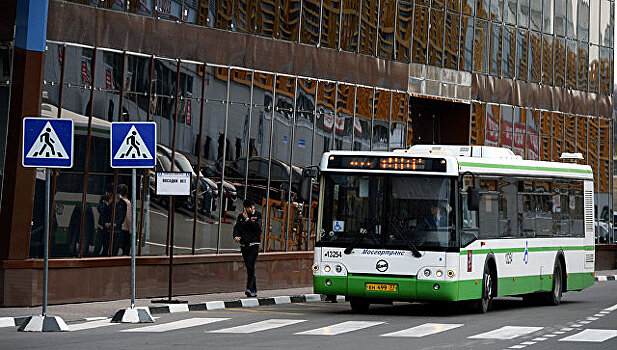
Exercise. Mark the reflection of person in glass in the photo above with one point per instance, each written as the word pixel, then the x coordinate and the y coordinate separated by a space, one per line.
pixel 247 232
pixel 104 223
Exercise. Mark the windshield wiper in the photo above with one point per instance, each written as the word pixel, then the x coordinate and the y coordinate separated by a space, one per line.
pixel 405 239
pixel 362 235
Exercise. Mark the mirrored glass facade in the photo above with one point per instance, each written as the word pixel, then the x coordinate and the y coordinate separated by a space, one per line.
pixel 244 133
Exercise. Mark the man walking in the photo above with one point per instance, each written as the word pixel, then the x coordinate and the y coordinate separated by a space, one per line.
pixel 247 232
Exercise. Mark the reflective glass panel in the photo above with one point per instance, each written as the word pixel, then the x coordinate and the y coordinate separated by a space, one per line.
pixel 606 69
pixel 368 26
pixel 381 120
pixel 451 34
pixel 326 94
pixel 482 9
pixel 594 22
pixel 560 17
pixel 583 66
pixel 387 19
pixel 583 20
pixel 560 61
pixel 420 34
pixel 244 15
pixel 467 42
pixel 535 59
pixel 309 33
pixel 522 53
pixel 344 115
pixel 548 16
pixel 571 18
pixel 350 25
pixel 547 59
pixel 496 10
pixel 606 25
pixel 435 52
pixel 571 64
pixel 330 24
pixel 289 19
pixel 403 30
pixel 509 11
pixel 594 68
pixel 508 67
pixel 362 123
pixel 495 58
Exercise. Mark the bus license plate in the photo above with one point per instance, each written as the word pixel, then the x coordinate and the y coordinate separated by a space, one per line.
pixel 381 287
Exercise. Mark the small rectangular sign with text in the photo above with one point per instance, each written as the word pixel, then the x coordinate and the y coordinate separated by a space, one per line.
pixel 173 184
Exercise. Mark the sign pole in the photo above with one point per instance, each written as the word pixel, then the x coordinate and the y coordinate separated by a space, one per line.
pixel 133 235
pixel 46 143
pixel 133 145
pixel 46 239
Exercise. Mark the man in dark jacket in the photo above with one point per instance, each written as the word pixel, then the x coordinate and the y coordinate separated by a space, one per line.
pixel 104 223
pixel 247 232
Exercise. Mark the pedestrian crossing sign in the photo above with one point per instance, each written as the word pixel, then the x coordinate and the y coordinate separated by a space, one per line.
pixel 133 145
pixel 47 143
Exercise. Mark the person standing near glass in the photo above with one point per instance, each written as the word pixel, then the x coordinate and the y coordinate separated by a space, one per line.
pixel 247 232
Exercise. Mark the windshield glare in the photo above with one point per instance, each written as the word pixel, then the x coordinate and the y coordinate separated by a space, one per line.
pixel 388 211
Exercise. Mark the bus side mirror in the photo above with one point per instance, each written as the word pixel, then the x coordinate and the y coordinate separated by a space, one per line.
pixel 308 174
pixel 473 198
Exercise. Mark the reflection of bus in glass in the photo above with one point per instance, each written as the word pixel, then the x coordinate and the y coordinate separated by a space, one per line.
pixel 452 223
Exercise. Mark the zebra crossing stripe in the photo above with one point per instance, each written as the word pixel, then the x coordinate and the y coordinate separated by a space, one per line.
pixel 423 330
pixel 592 335
pixel 340 328
pixel 188 323
pixel 91 325
pixel 507 332
pixel 612 308
pixel 259 326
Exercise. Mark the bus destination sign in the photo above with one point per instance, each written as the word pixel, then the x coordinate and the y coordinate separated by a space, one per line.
pixel 387 163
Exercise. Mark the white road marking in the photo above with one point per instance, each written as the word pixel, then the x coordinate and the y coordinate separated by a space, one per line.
pixel 605 312
pixel 559 332
pixel 592 335
pixel 91 325
pixel 96 318
pixel 538 339
pixel 188 323
pixel 612 308
pixel 507 332
pixel 259 326
pixel 577 325
pixel 599 315
pixel 567 329
pixel 517 346
pixel 549 335
pixel 592 318
pixel 584 322
pixel 423 330
pixel 528 343
pixel 340 328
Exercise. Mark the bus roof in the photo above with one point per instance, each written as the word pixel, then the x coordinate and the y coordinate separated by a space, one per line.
pixel 475 159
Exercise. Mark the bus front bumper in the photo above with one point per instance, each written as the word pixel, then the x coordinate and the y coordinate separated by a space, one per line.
pixel 400 287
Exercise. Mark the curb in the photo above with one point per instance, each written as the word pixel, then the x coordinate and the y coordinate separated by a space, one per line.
pixel 205 306
pixel 606 278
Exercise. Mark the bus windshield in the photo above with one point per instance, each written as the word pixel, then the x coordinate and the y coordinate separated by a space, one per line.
pixel 388 211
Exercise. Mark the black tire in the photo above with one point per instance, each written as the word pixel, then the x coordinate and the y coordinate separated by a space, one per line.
pixel 553 297
pixel 485 303
pixel 359 305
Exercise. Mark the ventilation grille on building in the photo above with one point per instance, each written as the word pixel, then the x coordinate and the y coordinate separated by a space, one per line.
pixel 588 210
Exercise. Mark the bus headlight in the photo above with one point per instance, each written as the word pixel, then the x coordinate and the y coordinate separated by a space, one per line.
pixel 450 273
pixel 328 283
pixel 315 267
pixel 427 272
pixel 338 269
pixel 439 273
pixel 326 268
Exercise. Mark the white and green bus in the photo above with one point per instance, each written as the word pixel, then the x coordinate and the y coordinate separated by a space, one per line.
pixel 452 223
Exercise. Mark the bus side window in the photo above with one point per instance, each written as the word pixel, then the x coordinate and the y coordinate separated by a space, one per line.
pixel 508 216
pixel 489 209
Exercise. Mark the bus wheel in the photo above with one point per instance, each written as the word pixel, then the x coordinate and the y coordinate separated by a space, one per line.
pixel 484 304
pixel 359 305
pixel 554 296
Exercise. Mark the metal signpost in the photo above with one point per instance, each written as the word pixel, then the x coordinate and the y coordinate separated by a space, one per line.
pixel 172 184
pixel 47 143
pixel 133 145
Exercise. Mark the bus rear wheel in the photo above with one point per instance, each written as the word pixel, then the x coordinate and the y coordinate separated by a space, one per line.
pixel 359 305
pixel 554 296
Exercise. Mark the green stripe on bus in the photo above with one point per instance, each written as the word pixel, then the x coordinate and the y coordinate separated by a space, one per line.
pixel 522 250
pixel 525 167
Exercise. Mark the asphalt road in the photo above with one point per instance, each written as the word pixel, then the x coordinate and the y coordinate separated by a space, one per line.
pixel 582 317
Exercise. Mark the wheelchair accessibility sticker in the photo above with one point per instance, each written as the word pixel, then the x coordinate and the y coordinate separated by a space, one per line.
pixel 338 226
pixel 526 255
